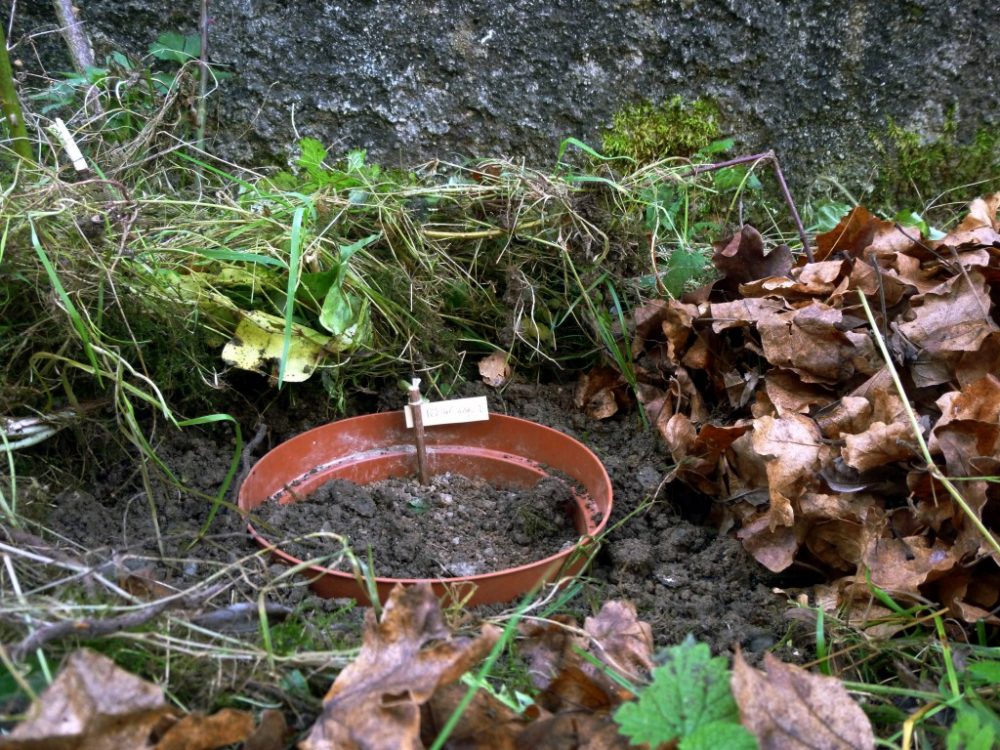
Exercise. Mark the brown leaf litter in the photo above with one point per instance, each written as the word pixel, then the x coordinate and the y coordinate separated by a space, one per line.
pixel 771 395
pixel 403 688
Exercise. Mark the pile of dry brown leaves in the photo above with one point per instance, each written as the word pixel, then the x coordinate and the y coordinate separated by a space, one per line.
pixel 403 687
pixel 775 402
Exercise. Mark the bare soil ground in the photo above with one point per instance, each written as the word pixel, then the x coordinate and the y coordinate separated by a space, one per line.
pixel 683 576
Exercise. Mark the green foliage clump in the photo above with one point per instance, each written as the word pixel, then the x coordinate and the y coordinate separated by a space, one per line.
pixel 648 132
pixel 689 700
pixel 914 169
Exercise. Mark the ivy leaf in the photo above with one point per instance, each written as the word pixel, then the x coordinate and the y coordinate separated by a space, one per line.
pixel 689 691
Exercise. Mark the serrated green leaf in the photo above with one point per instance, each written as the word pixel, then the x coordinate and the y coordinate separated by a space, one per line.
pixel 356 160
pixel 313 153
pixel 986 671
pixel 684 266
pixel 970 733
pixel 719 735
pixel 690 690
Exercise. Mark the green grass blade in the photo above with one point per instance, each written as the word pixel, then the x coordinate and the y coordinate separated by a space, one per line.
pixel 294 262
pixel 74 315
pixel 234 464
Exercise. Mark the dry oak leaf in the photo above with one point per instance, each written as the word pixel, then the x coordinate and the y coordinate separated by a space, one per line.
pixel 494 370
pixel 91 704
pixel 879 445
pixel 789 708
pixel 741 259
pixel 621 640
pixel 979 227
pixel 794 451
pixel 575 730
pixel 773 547
pixel 954 316
pixel 859 231
pixel 485 723
pixel 790 395
pixel 374 704
pixel 600 392
pixel 809 341
pixel 901 566
pixel 200 732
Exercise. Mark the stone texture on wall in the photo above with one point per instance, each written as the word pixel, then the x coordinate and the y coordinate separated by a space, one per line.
pixel 413 80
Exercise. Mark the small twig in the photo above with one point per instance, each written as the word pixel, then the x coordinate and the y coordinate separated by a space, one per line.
pixel 247 458
pixel 80 50
pixel 785 192
pixel 27 539
pixel 239 614
pixel 87 628
pixel 203 73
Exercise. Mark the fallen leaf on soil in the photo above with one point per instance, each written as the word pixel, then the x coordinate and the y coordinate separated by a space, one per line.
pixel 741 259
pixel 600 392
pixel 494 370
pixel 375 702
pixel 577 730
pixel 787 708
pixel 486 724
pixel 94 704
pixel 200 732
pixel 621 640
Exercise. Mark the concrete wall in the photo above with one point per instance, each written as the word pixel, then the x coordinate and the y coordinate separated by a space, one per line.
pixel 412 80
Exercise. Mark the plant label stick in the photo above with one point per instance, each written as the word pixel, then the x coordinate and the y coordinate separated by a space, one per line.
pixel 72 150
pixel 413 413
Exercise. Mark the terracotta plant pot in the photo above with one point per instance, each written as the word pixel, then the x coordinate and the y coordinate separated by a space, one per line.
pixel 505 451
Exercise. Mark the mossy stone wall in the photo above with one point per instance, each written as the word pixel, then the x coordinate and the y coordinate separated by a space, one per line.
pixel 412 80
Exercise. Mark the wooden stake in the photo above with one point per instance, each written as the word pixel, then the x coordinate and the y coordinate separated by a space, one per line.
pixel 418 430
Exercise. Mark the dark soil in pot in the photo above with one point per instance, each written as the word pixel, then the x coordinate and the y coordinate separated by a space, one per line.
pixel 455 526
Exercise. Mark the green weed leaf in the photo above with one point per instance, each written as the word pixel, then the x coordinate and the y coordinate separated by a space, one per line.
pixel 719 734
pixel 828 216
pixel 683 267
pixel 175 47
pixel 311 158
pixel 969 732
pixel 689 691
pixel 987 672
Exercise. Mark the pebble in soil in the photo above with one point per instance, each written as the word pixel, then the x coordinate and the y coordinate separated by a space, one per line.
pixel 455 526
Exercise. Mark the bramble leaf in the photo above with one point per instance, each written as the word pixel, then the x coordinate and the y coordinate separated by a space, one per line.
pixel 689 691
pixel 719 734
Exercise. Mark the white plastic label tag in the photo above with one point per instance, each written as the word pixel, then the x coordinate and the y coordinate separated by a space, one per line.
pixel 451 412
